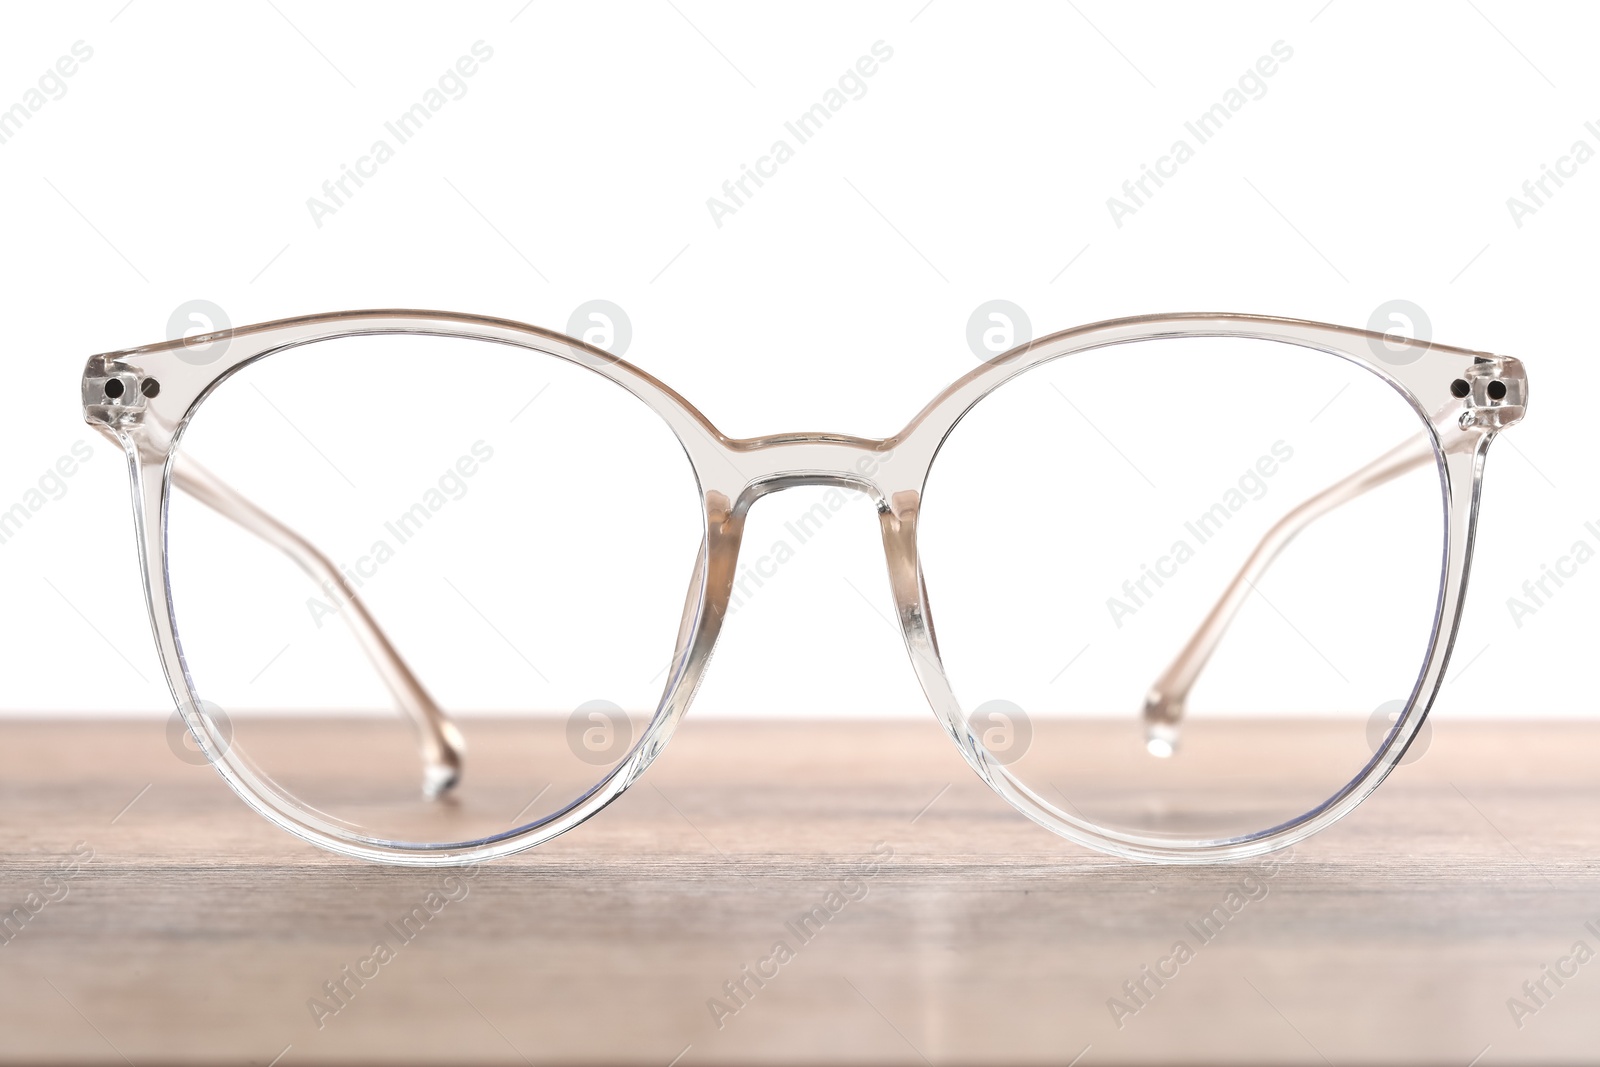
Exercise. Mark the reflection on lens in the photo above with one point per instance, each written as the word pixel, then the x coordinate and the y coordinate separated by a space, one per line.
pixel 1081 530
pixel 387 550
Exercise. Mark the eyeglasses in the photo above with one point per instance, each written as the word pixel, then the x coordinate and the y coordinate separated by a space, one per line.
pixel 1197 576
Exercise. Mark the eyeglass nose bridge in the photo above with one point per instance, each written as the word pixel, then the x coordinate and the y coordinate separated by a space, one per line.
pixel 889 471
pixel 786 461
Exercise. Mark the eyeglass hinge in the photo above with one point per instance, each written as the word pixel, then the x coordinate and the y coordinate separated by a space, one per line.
pixel 1493 392
pixel 116 394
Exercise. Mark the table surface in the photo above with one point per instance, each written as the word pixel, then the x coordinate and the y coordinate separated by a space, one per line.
pixel 194 931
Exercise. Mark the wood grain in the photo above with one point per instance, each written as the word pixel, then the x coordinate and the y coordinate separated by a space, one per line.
pixel 198 933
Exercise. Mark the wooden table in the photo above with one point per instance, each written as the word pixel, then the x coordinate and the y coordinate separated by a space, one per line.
pixel 198 933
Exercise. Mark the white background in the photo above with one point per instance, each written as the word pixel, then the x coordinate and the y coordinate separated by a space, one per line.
pixel 1377 166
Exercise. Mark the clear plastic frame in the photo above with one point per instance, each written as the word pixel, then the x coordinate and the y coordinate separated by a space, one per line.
pixel 144 400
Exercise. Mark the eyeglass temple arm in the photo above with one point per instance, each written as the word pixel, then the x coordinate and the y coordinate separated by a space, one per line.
pixel 441 743
pixel 1164 706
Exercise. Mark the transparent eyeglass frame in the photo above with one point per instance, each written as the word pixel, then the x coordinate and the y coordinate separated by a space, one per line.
pixel 143 399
